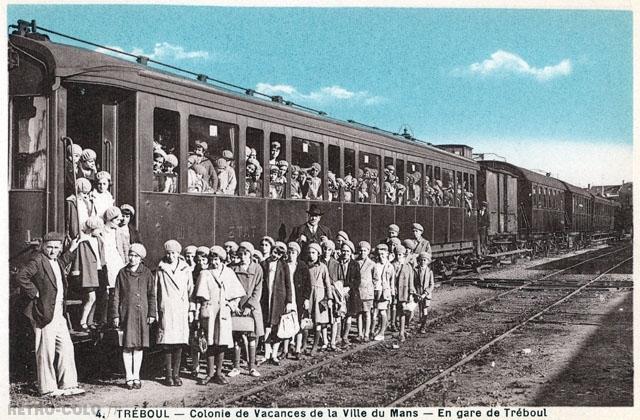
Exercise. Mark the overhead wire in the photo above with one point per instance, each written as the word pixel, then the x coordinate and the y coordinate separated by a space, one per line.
pixel 143 60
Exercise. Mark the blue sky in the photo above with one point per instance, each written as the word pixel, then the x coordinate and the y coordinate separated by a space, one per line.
pixel 535 86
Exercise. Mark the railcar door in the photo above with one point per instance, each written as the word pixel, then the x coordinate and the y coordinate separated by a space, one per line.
pixel 31 118
pixel 103 119
pixel 512 204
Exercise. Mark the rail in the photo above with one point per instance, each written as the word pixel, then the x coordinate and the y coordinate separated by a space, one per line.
pixel 267 384
pixel 472 355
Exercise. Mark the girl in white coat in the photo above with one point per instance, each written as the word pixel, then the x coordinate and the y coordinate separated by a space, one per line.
pixel 174 286
pixel 218 294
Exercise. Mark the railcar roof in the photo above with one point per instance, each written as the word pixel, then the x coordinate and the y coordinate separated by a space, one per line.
pixel 68 61
pixel 577 190
pixel 525 173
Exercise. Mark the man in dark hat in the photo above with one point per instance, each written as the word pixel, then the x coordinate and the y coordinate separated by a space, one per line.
pixel 483 226
pixel 44 284
pixel 311 231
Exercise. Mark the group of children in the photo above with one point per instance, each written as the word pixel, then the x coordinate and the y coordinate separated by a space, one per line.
pixel 199 293
pixel 203 175
pixel 235 297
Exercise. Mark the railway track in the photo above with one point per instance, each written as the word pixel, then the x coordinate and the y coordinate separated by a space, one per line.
pixel 408 396
pixel 295 375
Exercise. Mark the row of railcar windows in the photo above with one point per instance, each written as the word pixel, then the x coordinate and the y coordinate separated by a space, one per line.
pixel 547 198
pixel 213 163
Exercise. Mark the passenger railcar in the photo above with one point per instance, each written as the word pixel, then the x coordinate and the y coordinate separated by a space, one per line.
pixel 603 218
pixel 536 200
pixel 123 109
pixel 579 212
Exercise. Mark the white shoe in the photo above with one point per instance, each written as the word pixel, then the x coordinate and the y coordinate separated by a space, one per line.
pixel 56 393
pixel 254 373
pixel 379 337
pixel 72 391
pixel 233 373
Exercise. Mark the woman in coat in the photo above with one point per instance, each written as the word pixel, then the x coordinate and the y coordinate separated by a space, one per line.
pixel 320 299
pixel 276 299
pixel 174 286
pixel 249 274
pixel 365 290
pixel 217 294
pixel 133 309
pixel 300 287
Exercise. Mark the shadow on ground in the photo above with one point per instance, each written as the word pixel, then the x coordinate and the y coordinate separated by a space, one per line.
pixel 601 373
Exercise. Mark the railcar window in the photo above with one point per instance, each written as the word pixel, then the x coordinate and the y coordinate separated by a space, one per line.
pixel 466 191
pixel 166 150
pixel 390 182
pixel 459 195
pixel 254 167
pixel 415 175
pixel 472 189
pixel 429 191
pixel 333 175
pixel 29 143
pixel 349 183
pixel 368 180
pixel 438 188
pixel 448 189
pixel 276 169
pixel 400 185
pixel 307 155
pixel 220 141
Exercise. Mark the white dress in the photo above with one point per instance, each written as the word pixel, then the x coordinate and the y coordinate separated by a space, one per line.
pixel 112 257
pixel 101 202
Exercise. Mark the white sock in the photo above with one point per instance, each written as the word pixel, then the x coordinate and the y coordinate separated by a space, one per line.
pixel 127 358
pixel 137 363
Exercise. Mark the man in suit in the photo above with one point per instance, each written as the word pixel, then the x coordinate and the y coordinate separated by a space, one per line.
pixel 311 231
pixel 44 283
pixel 483 226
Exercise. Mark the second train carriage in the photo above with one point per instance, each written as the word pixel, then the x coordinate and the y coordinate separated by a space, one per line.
pixel 550 212
pixel 122 109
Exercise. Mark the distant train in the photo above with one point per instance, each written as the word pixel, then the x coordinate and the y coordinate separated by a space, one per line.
pixel 540 212
pixel 123 110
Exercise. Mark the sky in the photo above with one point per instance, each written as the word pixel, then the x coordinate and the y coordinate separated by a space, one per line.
pixel 549 90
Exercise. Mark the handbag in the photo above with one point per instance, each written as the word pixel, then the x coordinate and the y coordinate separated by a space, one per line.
pixel 243 323
pixel 288 326
pixel 113 337
pixel 410 306
pixel 306 324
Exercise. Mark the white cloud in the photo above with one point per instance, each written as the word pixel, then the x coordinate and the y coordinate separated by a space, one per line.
pixel 322 95
pixel 504 62
pixel 165 50
pixel 161 51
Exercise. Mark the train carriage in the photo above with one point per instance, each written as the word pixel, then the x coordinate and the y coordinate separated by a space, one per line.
pixel 536 200
pixel 579 211
pixel 603 218
pixel 122 110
